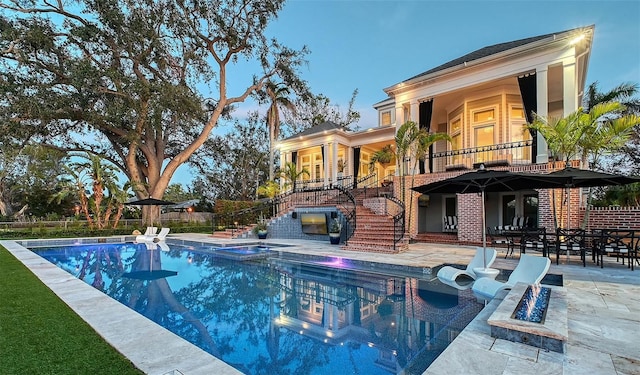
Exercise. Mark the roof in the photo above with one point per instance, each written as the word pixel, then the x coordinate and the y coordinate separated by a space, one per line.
pixel 488 51
pixel 325 126
pixel 186 204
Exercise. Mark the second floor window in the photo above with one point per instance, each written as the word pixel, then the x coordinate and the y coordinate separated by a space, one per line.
pixel 385 118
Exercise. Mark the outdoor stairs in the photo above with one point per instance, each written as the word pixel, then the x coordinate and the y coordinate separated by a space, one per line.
pixel 436 237
pixel 374 233
pixel 229 234
pixel 443 238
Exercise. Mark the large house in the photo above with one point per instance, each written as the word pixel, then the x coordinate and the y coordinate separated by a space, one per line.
pixel 483 100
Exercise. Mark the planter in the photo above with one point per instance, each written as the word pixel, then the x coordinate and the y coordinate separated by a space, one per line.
pixel 334 238
pixel 262 234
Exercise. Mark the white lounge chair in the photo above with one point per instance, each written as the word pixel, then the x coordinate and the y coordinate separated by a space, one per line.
pixel 154 237
pixel 531 269
pixel 449 275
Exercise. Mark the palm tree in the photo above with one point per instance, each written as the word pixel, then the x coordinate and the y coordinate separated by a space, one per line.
pixel 269 189
pixel 623 93
pixel 604 129
pixel 291 174
pixel 278 98
pixel 100 176
pixel 383 156
pixel 423 140
pixel 406 137
pixel 609 127
pixel 562 136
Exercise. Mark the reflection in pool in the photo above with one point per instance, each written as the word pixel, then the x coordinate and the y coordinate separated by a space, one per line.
pixel 279 314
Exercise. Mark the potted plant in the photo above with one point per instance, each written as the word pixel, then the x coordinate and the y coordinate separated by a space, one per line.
pixel 385 156
pixel 335 228
pixel 261 228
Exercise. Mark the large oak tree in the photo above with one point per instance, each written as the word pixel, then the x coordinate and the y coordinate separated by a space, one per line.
pixel 140 83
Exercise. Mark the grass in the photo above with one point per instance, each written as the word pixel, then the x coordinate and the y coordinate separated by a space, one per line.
pixel 39 334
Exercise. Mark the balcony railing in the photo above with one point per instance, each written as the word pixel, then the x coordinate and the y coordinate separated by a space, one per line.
pixel 513 153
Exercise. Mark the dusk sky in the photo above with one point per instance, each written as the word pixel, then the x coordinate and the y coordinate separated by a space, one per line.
pixel 371 45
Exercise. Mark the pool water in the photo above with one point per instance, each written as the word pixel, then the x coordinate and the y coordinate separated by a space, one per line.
pixel 276 314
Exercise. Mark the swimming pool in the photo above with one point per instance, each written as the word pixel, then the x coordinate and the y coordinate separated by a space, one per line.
pixel 279 314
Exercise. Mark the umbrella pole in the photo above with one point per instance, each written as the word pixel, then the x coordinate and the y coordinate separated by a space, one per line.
pixel 484 234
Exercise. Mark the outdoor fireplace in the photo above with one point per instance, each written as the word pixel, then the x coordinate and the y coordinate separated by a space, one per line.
pixel 532 315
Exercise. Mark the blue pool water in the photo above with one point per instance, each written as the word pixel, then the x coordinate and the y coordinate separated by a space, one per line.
pixel 279 313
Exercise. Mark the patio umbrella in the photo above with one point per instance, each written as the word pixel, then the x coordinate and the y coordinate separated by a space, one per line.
pixel 150 202
pixel 149 274
pixel 571 177
pixel 487 180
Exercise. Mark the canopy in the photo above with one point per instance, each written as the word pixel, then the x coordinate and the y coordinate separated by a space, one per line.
pixel 150 202
pixel 487 180
pixel 574 178
pixel 152 212
pixel 571 177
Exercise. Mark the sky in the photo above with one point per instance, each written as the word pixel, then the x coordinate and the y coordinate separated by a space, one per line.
pixel 371 45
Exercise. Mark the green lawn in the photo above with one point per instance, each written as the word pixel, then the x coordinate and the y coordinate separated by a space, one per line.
pixel 39 334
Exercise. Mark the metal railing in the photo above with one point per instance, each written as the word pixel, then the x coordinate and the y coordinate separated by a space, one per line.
pixel 398 219
pixel 503 154
pixel 334 195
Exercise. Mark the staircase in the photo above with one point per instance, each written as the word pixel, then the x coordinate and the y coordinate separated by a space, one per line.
pixel 374 233
pixel 437 237
pixel 228 234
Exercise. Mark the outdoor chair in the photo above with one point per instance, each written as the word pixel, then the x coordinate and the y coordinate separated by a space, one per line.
pixel 450 223
pixel 518 223
pixel 530 270
pixel 620 242
pixel 534 239
pixel 571 240
pixel 154 237
pixel 498 238
pixel 449 275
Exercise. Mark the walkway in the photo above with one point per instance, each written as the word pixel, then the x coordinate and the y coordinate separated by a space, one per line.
pixel 603 319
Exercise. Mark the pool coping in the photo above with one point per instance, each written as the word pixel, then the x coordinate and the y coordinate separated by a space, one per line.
pixel 607 299
pixel 150 347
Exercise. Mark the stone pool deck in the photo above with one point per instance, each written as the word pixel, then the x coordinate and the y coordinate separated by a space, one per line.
pixel 603 318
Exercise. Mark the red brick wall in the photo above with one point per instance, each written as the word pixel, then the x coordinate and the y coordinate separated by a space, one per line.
pixel 613 217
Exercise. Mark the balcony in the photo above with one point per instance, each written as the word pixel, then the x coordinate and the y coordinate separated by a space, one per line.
pixel 504 154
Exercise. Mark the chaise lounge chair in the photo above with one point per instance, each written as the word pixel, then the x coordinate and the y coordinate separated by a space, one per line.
pixel 531 269
pixel 154 237
pixel 449 275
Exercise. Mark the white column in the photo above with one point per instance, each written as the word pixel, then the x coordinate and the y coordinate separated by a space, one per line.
pixel 325 164
pixel 348 166
pixel 399 115
pixel 414 111
pixel 569 88
pixel 542 88
pixel 334 162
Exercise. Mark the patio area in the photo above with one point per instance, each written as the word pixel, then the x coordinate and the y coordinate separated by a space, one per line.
pixel 603 318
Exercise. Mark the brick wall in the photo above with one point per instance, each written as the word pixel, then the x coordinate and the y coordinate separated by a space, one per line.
pixel 612 217
pixel 377 205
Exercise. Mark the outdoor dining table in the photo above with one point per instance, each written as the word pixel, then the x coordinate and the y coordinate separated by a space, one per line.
pixel 514 238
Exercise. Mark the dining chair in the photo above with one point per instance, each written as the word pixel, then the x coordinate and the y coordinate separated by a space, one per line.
pixel 498 238
pixel 571 240
pixel 534 239
pixel 620 242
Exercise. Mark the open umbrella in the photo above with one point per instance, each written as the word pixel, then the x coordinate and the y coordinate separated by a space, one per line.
pixel 571 177
pixel 150 274
pixel 487 180
pixel 150 202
